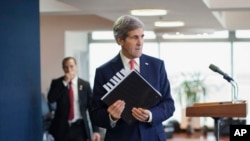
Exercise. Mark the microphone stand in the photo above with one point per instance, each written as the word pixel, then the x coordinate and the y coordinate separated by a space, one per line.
pixel 234 96
pixel 235 92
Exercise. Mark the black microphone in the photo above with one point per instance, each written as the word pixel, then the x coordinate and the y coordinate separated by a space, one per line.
pixel 216 69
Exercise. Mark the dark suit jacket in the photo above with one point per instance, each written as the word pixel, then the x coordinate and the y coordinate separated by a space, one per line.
pixel 153 70
pixel 59 93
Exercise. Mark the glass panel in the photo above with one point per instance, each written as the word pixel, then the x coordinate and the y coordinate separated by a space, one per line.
pixel 151 49
pixel 242 70
pixel 242 34
pixel 190 58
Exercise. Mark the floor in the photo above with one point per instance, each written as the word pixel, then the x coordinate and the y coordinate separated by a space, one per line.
pixel 196 137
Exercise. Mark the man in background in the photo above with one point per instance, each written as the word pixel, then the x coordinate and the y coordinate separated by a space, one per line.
pixel 72 96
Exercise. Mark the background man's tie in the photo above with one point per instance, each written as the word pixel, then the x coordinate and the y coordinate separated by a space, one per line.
pixel 71 98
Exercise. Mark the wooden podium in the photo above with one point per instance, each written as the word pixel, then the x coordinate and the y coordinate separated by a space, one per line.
pixel 217 110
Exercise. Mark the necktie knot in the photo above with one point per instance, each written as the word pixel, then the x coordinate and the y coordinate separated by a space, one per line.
pixel 132 64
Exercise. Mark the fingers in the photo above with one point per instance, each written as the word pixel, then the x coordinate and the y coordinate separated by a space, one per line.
pixel 140 114
pixel 96 137
pixel 68 77
pixel 116 109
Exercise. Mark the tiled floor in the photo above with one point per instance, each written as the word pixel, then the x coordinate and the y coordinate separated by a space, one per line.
pixel 196 137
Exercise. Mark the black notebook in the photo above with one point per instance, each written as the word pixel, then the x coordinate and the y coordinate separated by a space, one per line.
pixel 131 87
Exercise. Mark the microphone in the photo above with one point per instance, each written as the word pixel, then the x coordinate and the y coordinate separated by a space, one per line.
pixel 216 69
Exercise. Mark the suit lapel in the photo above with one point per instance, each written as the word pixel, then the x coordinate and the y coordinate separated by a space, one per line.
pixel 79 86
pixel 117 63
pixel 80 89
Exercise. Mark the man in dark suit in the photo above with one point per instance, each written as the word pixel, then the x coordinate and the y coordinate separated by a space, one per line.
pixel 128 32
pixel 76 127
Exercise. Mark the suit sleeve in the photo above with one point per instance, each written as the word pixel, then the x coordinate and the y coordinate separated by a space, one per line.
pixel 165 108
pixel 57 88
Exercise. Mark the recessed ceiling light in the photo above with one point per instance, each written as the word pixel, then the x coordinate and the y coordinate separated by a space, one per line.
pixel 169 23
pixel 148 12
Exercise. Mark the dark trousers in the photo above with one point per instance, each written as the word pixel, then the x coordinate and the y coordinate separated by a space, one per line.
pixel 76 132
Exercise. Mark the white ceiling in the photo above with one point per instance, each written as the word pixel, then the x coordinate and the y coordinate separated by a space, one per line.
pixel 199 15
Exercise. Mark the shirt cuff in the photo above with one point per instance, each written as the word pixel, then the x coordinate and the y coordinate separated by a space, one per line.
pixel 112 122
pixel 150 118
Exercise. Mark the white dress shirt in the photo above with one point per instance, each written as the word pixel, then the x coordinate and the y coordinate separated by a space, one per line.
pixel 77 114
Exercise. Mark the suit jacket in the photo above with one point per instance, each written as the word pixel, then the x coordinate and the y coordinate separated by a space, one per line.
pixel 59 93
pixel 153 70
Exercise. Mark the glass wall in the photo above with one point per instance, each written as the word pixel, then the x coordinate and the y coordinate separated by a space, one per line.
pixel 242 70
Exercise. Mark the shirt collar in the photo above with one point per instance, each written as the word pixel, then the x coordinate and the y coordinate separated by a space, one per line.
pixel 74 80
pixel 126 60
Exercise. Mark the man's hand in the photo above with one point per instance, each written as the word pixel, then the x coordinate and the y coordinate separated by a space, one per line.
pixel 141 114
pixel 116 109
pixel 68 76
pixel 96 137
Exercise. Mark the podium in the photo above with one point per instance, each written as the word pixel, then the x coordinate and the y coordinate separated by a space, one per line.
pixel 217 110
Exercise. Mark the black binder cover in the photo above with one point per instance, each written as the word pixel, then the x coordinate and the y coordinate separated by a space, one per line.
pixel 135 91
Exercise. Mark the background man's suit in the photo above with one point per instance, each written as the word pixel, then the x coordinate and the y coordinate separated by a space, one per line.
pixel 153 70
pixel 59 93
